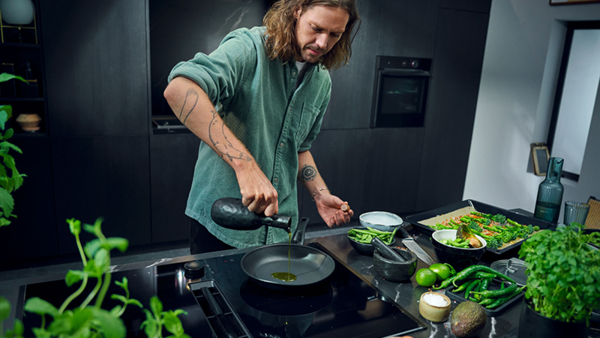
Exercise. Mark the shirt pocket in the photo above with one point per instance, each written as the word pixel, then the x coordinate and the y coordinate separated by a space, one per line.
pixel 308 116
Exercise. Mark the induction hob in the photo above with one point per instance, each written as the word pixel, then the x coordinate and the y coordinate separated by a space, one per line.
pixel 226 303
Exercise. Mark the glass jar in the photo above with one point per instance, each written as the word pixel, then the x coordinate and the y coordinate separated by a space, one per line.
pixel 550 192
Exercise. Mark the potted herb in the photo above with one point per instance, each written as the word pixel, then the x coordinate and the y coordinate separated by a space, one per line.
pixel 10 178
pixel 563 284
pixel 88 318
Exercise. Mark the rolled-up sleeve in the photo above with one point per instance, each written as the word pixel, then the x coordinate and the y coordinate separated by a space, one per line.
pixel 219 73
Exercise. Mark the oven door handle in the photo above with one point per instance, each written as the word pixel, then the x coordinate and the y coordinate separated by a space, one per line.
pixel 405 72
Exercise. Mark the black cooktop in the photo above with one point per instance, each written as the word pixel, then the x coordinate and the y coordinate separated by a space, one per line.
pixel 226 303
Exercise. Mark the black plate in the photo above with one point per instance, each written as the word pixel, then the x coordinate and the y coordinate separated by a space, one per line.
pixel 494 285
pixel 480 207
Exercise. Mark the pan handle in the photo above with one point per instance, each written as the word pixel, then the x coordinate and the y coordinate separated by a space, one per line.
pixel 298 237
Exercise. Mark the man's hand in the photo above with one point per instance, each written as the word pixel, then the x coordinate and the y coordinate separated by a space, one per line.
pixel 258 194
pixel 330 209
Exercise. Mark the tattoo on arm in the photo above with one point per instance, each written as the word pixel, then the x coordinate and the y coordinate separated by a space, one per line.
pixel 224 148
pixel 193 96
pixel 308 173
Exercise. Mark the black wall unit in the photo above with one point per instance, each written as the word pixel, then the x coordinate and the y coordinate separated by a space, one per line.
pixel 467 5
pixel 181 28
pixel 106 177
pixel 389 27
pixel 339 155
pixel 33 233
pixel 96 67
pixel 451 108
pixel 172 160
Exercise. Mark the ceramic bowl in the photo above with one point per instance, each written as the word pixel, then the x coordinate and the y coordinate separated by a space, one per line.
pixel 380 220
pixel 395 271
pixel 432 312
pixel 365 249
pixel 459 258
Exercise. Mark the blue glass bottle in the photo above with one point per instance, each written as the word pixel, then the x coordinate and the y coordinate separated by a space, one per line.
pixel 550 192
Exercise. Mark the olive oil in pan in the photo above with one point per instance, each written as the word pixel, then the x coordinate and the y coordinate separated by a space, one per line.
pixel 286 276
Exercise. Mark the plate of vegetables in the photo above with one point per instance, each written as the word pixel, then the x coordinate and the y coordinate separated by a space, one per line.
pixel 502 229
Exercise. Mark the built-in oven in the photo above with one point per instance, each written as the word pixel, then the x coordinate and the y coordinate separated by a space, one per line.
pixel 400 91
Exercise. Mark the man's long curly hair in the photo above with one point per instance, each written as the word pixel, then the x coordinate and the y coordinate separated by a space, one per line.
pixel 281 39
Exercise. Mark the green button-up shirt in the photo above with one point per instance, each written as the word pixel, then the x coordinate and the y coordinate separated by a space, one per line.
pixel 259 102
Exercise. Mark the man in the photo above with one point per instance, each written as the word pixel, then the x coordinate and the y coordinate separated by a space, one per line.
pixel 271 88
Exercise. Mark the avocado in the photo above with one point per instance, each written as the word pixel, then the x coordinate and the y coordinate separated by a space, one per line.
pixel 468 319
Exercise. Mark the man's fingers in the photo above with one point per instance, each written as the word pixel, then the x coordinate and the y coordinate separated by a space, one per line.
pixel 272 209
pixel 253 206
pixel 247 201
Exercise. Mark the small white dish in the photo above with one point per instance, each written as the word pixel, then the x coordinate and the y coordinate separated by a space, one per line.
pixel 380 220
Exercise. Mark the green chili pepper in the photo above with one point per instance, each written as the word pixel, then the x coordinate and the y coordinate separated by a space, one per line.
pixel 471 286
pixel 466 272
pixel 499 293
pixel 482 287
pixel 484 275
pixel 464 286
pixel 486 301
pixel 445 283
pixel 486 284
pixel 452 271
pixel 503 300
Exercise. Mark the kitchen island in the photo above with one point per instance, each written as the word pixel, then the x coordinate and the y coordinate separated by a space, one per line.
pixel 166 277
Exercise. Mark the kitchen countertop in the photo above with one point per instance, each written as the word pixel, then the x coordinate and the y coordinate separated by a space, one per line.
pixel 334 241
pixel 407 294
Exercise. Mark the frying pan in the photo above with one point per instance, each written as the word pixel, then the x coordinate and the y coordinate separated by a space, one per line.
pixel 310 265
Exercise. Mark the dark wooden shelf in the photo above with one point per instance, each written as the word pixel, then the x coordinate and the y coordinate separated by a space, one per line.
pixel 20 45
pixel 22 134
pixel 21 99
pixel 170 131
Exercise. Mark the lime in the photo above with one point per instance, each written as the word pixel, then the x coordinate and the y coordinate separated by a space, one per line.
pixel 441 270
pixel 425 277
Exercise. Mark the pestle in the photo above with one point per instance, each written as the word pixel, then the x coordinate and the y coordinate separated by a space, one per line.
pixel 233 214
pixel 385 251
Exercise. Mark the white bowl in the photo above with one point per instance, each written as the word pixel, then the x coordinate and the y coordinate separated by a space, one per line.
pixel 380 220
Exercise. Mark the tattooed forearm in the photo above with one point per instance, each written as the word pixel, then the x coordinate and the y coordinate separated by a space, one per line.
pixel 308 173
pixel 193 96
pixel 224 148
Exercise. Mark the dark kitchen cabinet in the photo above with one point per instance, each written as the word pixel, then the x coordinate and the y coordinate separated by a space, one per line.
pixel 107 177
pixel 340 156
pixel 96 59
pixel 394 163
pixel 391 28
pixel 451 108
pixel 33 233
pixel 372 170
pixel 172 161
pixel 482 6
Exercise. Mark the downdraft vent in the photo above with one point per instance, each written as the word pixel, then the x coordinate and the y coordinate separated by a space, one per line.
pixel 223 320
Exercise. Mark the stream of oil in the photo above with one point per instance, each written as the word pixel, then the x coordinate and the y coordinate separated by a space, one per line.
pixel 286 276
